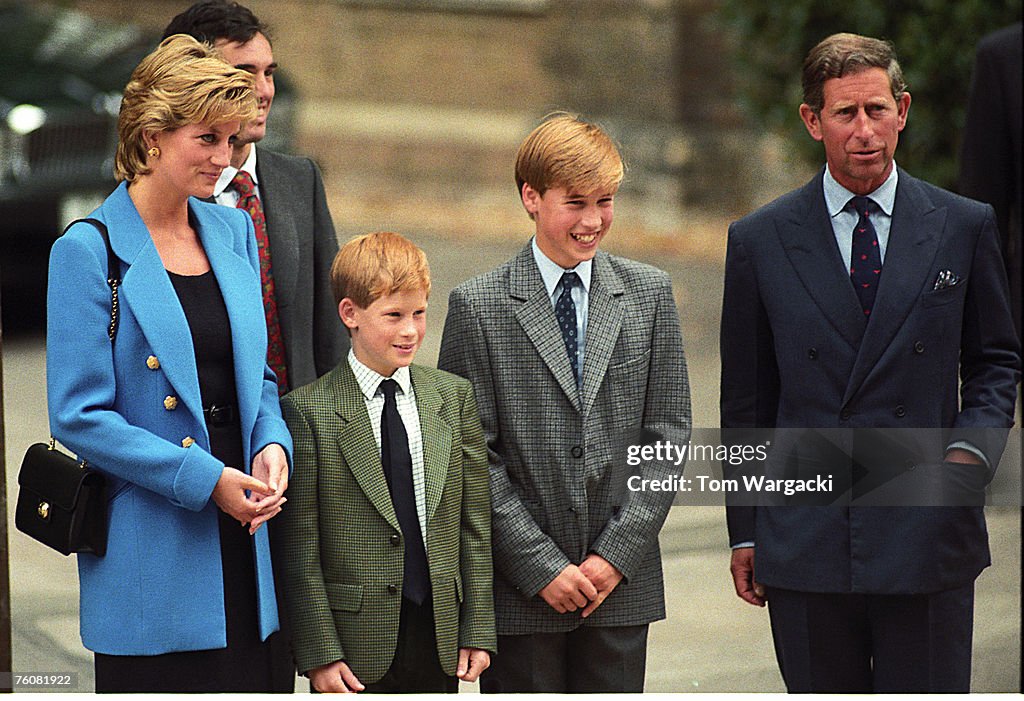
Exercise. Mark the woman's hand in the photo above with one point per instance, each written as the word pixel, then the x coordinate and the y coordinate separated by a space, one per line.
pixel 271 466
pixel 229 495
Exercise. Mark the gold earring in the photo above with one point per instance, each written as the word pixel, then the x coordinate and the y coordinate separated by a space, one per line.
pixel 154 152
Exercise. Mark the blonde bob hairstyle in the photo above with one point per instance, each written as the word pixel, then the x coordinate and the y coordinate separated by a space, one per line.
pixel 375 265
pixel 182 82
pixel 565 151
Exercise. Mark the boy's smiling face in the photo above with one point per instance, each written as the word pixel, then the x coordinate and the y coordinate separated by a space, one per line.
pixel 387 334
pixel 570 224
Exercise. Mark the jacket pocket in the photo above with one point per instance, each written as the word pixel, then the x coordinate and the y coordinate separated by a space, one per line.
pixel 344 597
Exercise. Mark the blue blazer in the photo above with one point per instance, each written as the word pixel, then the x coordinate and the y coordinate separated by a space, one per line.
pixel 135 413
pixel 798 353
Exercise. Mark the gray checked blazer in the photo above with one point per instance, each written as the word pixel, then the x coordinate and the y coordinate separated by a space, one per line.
pixel 302 248
pixel 558 463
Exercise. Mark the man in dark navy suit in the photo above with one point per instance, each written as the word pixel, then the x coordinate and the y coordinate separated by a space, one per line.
pixel 858 307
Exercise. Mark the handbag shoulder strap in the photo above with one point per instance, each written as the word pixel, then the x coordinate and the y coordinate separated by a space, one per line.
pixel 113 272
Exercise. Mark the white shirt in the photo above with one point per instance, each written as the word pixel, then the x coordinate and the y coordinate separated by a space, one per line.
pixel 369 384
pixel 226 195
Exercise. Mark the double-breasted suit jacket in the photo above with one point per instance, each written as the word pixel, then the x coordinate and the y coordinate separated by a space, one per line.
pixel 302 248
pixel 798 352
pixel 558 452
pixel 135 413
pixel 342 539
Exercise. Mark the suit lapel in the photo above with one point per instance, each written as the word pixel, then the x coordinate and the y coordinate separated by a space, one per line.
pixel 536 316
pixel 146 289
pixel 277 196
pixel 357 444
pixel 809 241
pixel 437 439
pixel 604 320
pixel 914 236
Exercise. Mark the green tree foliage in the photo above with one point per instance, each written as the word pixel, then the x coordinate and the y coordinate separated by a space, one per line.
pixel 935 42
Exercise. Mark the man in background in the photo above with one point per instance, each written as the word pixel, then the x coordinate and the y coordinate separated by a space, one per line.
pixel 285 197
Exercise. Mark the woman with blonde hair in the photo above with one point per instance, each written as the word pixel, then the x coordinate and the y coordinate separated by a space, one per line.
pixel 179 410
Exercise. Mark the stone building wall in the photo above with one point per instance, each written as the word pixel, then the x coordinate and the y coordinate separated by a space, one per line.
pixel 414 108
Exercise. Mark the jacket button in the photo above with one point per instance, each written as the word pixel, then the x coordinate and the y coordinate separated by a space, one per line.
pixel 170 403
pixel 918 347
pixel 845 414
pixel 812 353
pixel 900 411
pixel 395 539
pixel 577 452
pixel 187 441
pixel 392 589
pixel 152 363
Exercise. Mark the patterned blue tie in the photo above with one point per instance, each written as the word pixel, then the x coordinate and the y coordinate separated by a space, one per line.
pixel 865 258
pixel 565 313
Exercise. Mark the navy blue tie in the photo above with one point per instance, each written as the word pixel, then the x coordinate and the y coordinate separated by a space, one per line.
pixel 397 461
pixel 866 257
pixel 565 313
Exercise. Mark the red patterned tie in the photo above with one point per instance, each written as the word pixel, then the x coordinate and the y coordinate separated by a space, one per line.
pixel 250 202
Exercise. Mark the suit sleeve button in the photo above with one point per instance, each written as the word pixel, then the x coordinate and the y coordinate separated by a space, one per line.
pixel 812 353
pixel 901 411
pixel 170 403
pixel 392 589
pixel 395 539
pixel 152 363
pixel 918 347
pixel 577 452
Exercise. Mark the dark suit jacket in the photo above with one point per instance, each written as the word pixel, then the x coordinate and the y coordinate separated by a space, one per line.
pixel 798 352
pixel 302 248
pixel 990 160
pixel 340 535
pixel 558 461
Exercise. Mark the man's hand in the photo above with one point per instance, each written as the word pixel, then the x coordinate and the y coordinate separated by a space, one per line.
pixel 962 456
pixel 335 677
pixel 742 568
pixel 472 662
pixel 569 591
pixel 603 575
pixel 271 467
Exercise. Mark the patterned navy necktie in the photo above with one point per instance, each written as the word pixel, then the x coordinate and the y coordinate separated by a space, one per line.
pixel 866 257
pixel 565 313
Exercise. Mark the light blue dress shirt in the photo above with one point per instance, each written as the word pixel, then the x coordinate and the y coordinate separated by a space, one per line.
pixel 551 273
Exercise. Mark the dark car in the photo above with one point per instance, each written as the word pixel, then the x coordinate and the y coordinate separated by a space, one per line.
pixel 61 77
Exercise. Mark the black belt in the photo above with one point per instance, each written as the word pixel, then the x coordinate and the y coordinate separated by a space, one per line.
pixel 220 415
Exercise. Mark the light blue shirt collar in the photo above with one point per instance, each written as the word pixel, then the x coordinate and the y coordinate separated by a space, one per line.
pixel 551 272
pixel 837 196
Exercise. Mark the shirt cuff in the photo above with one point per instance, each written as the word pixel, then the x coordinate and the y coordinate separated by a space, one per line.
pixel 964 445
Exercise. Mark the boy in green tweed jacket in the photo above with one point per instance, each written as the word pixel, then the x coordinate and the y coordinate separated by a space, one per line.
pixel 386 537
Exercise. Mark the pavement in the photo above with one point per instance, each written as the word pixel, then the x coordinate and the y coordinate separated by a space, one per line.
pixel 710 642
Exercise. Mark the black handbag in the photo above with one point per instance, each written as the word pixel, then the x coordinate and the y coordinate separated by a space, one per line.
pixel 61 501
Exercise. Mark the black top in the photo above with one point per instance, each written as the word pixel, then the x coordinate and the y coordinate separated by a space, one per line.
pixel 208 322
